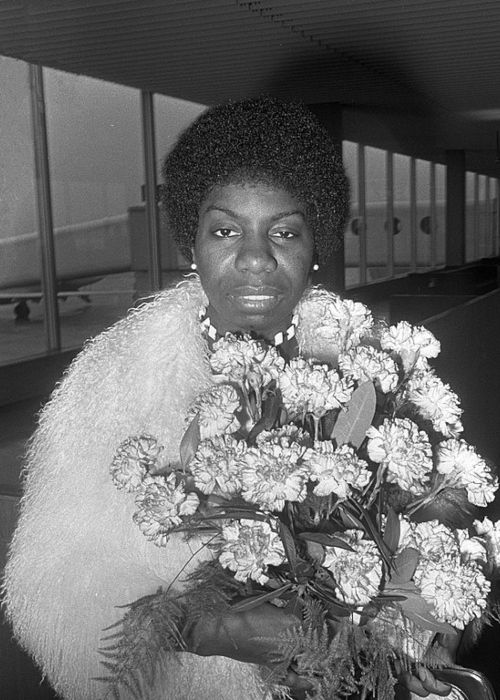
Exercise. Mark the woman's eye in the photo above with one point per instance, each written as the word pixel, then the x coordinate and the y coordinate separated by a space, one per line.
pixel 283 233
pixel 225 232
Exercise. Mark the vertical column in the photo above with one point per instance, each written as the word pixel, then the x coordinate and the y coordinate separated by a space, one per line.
pixel 389 198
pixel 44 206
pixel 331 274
pixel 363 248
pixel 455 207
pixel 152 219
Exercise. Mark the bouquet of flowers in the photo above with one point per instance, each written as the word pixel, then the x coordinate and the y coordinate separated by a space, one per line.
pixel 342 490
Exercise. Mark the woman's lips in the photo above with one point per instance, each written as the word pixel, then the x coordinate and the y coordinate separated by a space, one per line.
pixel 255 299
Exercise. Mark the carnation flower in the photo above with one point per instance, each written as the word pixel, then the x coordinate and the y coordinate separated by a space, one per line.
pixel 357 573
pixel 216 410
pixel 457 592
pixel 332 325
pixel 337 470
pixel 431 538
pixel 365 363
pixel 413 344
pixel 284 436
pixel 490 531
pixel 435 402
pixel 216 465
pixel 273 473
pixel 463 467
pixel 161 505
pixel 132 461
pixel 246 361
pixel 249 547
pixel 308 387
pixel 404 451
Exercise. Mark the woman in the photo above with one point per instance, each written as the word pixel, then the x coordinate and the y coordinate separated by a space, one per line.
pixel 255 193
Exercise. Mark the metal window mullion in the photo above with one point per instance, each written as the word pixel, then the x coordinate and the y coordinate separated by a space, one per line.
pixel 433 214
pixel 389 192
pixel 489 209
pixel 413 214
pixel 44 209
pixel 497 218
pixel 362 214
pixel 152 218
pixel 476 216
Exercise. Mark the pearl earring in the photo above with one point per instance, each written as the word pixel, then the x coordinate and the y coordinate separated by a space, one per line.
pixel 316 267
pixel 193 266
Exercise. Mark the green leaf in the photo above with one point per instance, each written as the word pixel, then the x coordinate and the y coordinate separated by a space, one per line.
pixel 404 566
pixel 325 539
pixel 190 441
pixel 271 407
pixel 289 545
pixel 419 611
pixel 352 424
pixel 254 601
pixel 392 530
pixel 232 514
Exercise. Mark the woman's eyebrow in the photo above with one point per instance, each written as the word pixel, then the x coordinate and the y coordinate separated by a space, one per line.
pixel 235 215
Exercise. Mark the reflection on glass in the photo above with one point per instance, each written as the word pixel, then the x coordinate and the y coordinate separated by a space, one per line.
pixel 470 216
pixel 424 218
pixel 440 222
pixel 20 287
pixel 376 213
pixel 351 237
pixel 402 214
pixel 172 116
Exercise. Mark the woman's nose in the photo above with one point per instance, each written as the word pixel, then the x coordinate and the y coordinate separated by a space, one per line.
pixel 255 255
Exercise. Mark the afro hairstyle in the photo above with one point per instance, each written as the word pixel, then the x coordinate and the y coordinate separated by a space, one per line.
pixel 257 140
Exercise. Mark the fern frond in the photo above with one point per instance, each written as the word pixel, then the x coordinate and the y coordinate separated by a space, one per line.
pixel 150 629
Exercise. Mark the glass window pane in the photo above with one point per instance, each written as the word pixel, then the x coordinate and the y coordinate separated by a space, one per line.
pixel 351 237
pixel 440 214
pixel 423 215
pixel 483 216
pixel 470 217
pixel 172 116
pixel 22 330
pixel 402 222
pixel 96 166
pixel 376 214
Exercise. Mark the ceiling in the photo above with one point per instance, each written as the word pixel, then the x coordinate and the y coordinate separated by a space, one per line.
pixel 435 63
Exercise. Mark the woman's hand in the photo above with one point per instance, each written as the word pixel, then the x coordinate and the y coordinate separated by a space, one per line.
pixel 250 636
pixel 421 681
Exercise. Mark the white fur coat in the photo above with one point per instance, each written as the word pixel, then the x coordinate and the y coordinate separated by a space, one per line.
pixel 76 553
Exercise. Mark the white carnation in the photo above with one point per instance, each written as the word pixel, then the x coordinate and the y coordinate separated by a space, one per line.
pixel 273 473
pixel 490 531
pixel 413 344
pixel 216 410
pixel 333 325
pixel 336 470
pixel 216 465
pixel 404 451
pixel 308 387
pixel 431 536
pixel 357 573
pixel 435 402
pixel 365 363
pixel 249 547
pixel 161 506
pixel 246 361
pixel 463 467
pixel 457 592
pixel 133 460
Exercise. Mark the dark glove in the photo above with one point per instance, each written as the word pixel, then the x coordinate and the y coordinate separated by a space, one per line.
pixel 250 636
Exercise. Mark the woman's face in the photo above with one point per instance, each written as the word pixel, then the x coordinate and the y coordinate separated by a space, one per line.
pixel 253 251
